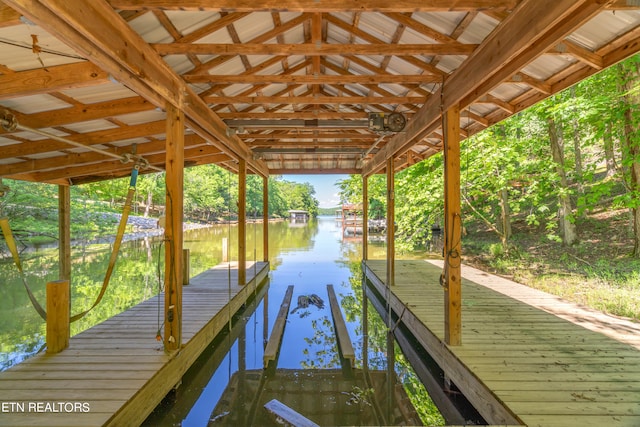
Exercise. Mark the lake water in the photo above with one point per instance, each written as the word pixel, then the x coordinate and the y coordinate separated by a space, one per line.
pixel 227 386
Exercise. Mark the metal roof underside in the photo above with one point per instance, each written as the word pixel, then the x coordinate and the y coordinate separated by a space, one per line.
pixel 288 88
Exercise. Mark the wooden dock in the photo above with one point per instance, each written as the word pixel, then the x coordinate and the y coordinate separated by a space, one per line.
pixel 116 372
pixel 526 356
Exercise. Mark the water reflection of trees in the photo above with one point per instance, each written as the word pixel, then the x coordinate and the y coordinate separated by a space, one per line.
pixel 22 330
pixel 376 345
pixel 321 351
pixel 135 279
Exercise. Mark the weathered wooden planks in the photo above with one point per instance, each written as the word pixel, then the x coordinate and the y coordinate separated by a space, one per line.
pixel 118 368
pixel 548 361
pixel 273 346
pixel 346 347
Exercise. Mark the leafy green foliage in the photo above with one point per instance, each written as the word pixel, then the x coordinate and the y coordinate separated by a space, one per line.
pixel 210 194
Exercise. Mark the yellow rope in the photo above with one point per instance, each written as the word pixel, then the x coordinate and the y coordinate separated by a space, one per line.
pixel 114 254
pixel 11 244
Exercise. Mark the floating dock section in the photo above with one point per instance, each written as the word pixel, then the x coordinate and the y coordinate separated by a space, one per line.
pixel 116 372
pixel 526 357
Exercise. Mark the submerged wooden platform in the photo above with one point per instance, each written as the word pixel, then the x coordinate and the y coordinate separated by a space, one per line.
pixel 116 372
pixel 527 357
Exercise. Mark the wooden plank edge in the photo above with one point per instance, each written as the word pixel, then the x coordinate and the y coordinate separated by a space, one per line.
pixel 344 341
pixel 138 408
pixel 278 329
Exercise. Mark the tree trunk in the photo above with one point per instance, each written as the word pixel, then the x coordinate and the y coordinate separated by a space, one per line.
pixel 609 151
pixel 147 207
pixel 576 146
pixel 505 215
pixel 567 227
pixel 631 144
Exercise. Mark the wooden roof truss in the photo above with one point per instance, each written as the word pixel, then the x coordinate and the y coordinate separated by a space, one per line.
pixel 288 88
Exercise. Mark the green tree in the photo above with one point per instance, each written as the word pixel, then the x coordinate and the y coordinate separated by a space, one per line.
pixel 630 84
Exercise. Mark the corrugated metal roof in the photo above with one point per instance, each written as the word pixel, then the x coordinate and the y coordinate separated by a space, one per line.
pixel 222 56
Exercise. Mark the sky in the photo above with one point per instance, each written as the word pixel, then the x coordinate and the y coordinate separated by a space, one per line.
pixel 325 186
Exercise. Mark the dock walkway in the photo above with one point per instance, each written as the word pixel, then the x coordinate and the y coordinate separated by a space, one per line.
pixel 116 372
pixel 526 356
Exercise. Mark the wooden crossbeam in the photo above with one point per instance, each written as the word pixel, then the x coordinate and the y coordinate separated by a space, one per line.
pixel 311 79
pixel 81 112
pixel 92 138
pixel 50 79
pixel 316 100
pixel 307 135
pixel 317 6
pixel 310 49
pixel 70 161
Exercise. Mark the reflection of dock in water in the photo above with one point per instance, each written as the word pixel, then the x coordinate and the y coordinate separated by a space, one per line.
pixel 327 397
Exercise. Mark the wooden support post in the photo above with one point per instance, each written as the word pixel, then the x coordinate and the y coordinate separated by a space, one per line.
pixel 365 217
pixel 452 228
pixel 391 228
pixel 186 267
pixel 173 229
pixel 64 232
pixel 242 222
pixel 265 219
pixel 58 314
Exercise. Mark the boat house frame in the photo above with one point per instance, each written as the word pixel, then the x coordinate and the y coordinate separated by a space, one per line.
pixel 88 89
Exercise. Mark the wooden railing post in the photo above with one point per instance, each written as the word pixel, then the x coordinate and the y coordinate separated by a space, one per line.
pixel 58 314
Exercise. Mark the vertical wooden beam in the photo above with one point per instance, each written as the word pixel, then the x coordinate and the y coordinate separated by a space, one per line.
pixel 391 228
pixel 452 228
pixel 58 314
pixel 365 217
pixel 173 229
pixel 265 218
pixel 64 232
pixel 242 222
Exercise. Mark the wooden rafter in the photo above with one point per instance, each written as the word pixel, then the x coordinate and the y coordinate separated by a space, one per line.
pixel 510 47
pixel 315 6
pixel 84 28
pixel 327 62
